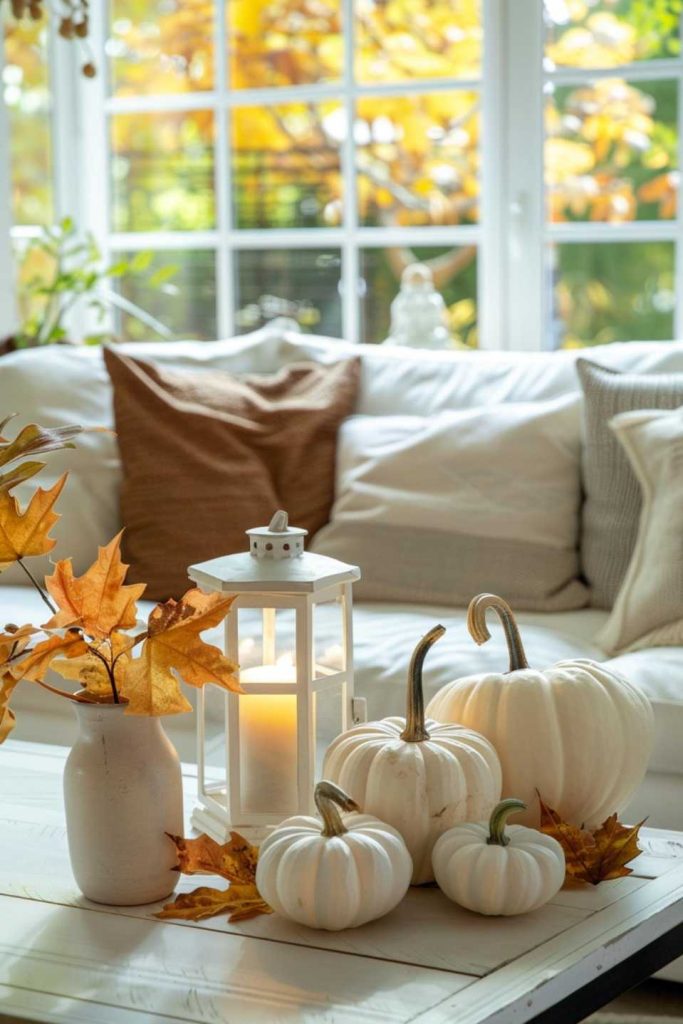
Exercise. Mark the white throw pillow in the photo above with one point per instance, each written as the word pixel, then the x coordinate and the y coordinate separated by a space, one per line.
pixel 648 611
pixel 437 509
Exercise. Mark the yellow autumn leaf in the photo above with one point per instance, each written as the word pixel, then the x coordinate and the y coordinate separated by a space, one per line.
pixel 25 533
pixel 174 645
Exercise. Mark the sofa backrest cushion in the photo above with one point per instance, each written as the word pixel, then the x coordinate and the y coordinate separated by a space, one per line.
pixel 611 510
pixel 435 509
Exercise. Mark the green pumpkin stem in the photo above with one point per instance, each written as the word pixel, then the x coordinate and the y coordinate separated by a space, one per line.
pixel 479 631
pixel 328 799
pixel 498 819
pixel 415 731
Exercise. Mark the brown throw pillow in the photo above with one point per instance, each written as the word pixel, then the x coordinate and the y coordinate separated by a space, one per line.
pixel 207 455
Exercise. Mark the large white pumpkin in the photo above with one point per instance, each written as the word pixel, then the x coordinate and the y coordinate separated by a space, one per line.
pixel 491 870
pixel 577 733
pixel 417 775
pixel 337 875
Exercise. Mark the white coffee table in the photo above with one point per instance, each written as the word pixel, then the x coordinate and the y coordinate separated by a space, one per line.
pixel 65 959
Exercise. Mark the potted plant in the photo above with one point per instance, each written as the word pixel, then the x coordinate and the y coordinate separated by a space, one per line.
pixel 122 784
pixel 60 270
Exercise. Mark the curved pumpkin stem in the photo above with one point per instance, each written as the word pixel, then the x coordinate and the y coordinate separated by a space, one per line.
pixel 328 799
pixel 415 730
pixel 479 631
pixel 499 816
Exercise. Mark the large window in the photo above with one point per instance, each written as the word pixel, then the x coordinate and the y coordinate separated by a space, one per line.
pixel 291 157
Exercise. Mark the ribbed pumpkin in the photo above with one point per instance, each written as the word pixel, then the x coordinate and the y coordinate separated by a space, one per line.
pixel 335 873
pixel 417 775
pixel 577 732
pixel 491 870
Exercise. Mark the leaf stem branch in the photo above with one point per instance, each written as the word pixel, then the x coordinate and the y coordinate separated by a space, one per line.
pixel 37 585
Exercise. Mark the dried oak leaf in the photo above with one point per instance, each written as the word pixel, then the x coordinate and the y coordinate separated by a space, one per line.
pixel 235 861
pixel 98 601
pixel 174 644
pixel 25 533
pixel 596 855
pixel 89 670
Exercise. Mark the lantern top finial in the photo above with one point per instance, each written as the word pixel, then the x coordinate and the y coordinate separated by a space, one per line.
pixel 278 540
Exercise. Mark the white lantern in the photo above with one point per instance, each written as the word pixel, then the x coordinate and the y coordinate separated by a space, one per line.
pixel 290 631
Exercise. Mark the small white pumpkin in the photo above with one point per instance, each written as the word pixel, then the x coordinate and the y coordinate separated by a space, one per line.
pixel 417 775
pixel 577 733
pixel 342 875
pixel 485 868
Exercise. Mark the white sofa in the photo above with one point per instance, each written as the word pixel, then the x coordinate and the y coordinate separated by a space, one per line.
pixel 59 385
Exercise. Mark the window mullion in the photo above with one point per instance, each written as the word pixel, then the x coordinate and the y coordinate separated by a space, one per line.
pixel 350 255
pixel 8 310
pixel 225 255
pixel 522 249
pixel 89 128
pixel 491 278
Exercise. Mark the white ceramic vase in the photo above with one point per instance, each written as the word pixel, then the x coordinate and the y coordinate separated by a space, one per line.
pixel 122 793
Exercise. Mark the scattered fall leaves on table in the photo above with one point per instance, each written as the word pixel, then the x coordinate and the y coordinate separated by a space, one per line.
pixel 235 861
pixel 597 855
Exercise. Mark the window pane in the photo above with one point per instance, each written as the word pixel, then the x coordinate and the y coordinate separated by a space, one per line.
pixel 289 42
pixel 455 277
pixel 162 171
pixel 161 48
pixel 286 170
pixel 31 264
pixel 611 151
pixel 299 283
pixel 605 33
pixel 606 292
pixel 184 301
pixel 418 159
pixel 398 40
pixel 26 95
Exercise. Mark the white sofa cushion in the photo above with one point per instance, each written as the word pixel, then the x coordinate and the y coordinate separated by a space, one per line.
pixel 437 508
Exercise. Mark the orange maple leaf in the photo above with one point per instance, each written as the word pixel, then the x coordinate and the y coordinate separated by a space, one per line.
pixel 235 861
pixel 174 644
pixel 597 855
pixel 7 718
pixel 34 665
pixel 97 601
pixel 25 533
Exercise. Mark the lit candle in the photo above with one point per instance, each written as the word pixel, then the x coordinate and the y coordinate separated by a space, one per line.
pixel 268 743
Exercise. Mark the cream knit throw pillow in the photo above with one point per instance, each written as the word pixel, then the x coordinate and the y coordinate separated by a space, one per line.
pixel 648 611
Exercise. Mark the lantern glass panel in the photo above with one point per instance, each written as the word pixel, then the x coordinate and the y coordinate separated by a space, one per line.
pixel 268 753
pixel 328 637
pixel 266 637
pixel 328 703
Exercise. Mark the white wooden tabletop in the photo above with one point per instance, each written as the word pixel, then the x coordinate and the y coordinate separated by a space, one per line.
pixel 64 958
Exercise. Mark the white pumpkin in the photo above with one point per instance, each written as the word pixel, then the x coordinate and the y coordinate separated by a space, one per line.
pixel 485 868
pixel 342 875
pixel 417 775
pixel 577 733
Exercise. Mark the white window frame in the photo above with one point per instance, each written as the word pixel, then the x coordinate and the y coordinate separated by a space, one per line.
pixel 513 237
